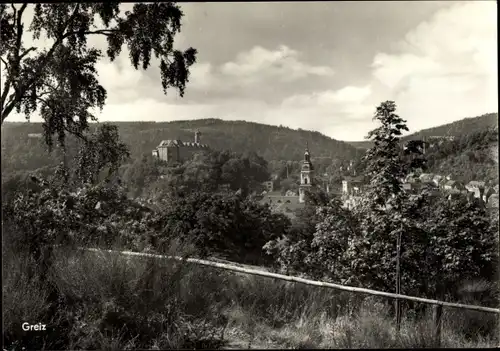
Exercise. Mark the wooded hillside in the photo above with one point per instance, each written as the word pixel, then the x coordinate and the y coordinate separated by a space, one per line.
pixel 20 152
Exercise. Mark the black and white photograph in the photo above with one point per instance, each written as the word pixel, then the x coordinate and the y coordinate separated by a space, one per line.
pixel 249 175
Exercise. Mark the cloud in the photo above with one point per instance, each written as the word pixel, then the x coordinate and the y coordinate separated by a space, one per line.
pixel 309 75
pixel 120 79
pixel 256 67
pixel 146 109
pixel 282 64
pixel 350 101
pixel 446 68
pixel 346 95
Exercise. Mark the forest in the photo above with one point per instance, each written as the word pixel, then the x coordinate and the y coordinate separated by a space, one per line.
pixel 20 152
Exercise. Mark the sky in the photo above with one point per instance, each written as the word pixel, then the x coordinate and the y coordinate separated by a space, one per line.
pixel 321 66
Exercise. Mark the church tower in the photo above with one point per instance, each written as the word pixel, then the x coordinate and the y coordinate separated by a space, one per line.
pixel 306 176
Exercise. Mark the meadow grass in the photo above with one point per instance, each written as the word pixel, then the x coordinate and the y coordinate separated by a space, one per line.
pixel 105 301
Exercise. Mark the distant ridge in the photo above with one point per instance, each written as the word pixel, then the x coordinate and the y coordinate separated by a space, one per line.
pixel 457 128
pixel 271 142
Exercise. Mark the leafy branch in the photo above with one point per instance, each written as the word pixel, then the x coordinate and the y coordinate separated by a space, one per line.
pixel 65 74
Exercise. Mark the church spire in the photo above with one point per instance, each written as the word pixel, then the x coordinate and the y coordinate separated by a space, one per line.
pixel 306 175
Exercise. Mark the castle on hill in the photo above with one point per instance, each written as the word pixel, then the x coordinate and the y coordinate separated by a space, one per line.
pixel 177 151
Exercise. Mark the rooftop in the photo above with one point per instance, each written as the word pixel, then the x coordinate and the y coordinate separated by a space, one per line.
pixel 180 143
pixel 280 203
pixel 358 179
pixel 476 184
pixel 35 135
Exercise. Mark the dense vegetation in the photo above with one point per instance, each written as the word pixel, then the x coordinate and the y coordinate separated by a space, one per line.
pixel 464 126
pixel 459 128
pixel 358 247
pixel 19 152
pixel 468 157
pixel 205 208
pixel 471 155
pixel 100 188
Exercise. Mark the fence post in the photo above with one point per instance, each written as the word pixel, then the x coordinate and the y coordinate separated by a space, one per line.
pixel 398 280
pixel 437 313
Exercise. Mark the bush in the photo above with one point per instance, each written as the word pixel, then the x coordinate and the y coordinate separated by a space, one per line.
pixel 106 301
pixel 224 225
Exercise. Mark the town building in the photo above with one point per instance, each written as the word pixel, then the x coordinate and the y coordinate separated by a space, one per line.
pixel 427 178
pixel 35 135
pixel 269 186
pixel 177 151
pixel 488 193
pixel 454 185
pixel 493 202
pixel 438 180
pixel 306 176
pixel 412 186
pixel 352 185
pixel 291 202
pixel 477 188
pixel 352 188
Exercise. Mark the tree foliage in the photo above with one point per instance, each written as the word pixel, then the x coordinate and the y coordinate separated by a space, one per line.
pixel 384 163
pixel 271 143
pixel 358 247
pixel 61 80
pixel 49 214
pixel 99 151
pixel 207 171
pixel 472 156
pixel 227 225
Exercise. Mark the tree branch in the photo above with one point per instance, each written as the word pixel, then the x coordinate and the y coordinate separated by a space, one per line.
pixel 26 52
pixel 13 71
pixel 65 126
pixel 107 32
pixel 21 91
pixel 15 11
pixel 5 92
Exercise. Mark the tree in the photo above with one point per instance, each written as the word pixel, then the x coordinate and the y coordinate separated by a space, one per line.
pixel 288 184
pixel 219 224
pixel 100 151
pixel 464 244
pixel 141 173
pixel 383 161
pixel 61 81
pixel 380 215
pixel 208 170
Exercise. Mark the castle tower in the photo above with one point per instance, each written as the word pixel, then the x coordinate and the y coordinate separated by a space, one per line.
pixel 197 135
pixel 306 175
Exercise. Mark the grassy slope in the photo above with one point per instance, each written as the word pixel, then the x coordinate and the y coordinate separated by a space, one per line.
pixel 115 302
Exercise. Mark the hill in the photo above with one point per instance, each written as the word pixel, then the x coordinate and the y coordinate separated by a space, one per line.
pixel 459 128
pixel 454 129
pixel 364 145
pixel 470 154
pixel 21 152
